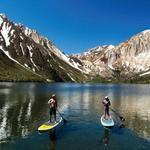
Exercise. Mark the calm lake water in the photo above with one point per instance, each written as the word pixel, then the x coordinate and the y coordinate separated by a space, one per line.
pixel 23 107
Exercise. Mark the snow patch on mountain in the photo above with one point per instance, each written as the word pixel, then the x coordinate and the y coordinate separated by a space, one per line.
pixel 67 59
pixel 71 77
pixel 100 48
pixel 26 66
pixel 5 30
pixel 27 31
pixel 146 73
pixel 31 58
pixel 111 67
pixel 1 20
pixel 146 31
pixel 22 49
pixel 7 53
pixel 2 15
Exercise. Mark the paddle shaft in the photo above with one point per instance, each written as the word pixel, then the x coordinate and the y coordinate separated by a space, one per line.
pixel 61 116
pixel 122 118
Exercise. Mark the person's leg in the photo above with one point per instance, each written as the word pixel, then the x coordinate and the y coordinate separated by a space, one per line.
pixel 51 111
pixel 55 114
pixel 108 112
pixel 105 113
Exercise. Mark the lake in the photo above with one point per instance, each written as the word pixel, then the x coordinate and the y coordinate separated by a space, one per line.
pixel 23 107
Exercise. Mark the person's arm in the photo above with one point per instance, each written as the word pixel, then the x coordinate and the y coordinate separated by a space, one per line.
pixel 109 103
pixel 104 102
pixel 49 101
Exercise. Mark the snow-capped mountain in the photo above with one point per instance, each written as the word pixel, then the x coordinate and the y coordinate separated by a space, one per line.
pixel 33 53
pixel 25 55
pixel 129 60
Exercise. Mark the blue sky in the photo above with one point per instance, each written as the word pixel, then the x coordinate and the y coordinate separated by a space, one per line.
pixel 77 25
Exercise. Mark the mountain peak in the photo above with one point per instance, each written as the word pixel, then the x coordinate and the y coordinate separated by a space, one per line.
pixel 2 15
pixel 100 48
pixel 1 18
pixel 32 53
pixel 146 31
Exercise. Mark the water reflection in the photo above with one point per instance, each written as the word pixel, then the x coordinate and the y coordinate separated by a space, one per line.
pixel 105 138
pixel 53 139
pixel 17 114
pixel 23 106
pixel 4 132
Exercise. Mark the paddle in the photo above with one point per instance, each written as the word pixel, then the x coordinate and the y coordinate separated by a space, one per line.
pixel 62 116
pixel 121 118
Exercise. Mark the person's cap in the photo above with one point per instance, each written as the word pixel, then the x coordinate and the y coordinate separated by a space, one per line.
pixel 53 95
pixel 106 97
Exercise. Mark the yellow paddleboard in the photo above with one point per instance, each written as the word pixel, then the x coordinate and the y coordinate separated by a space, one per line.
pixel 50 125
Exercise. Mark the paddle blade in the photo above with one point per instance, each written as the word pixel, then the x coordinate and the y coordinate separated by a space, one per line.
pixel 122 118
pixel 65 121
pixel 122 126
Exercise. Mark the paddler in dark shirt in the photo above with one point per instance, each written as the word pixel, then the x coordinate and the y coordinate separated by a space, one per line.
pixel 106 103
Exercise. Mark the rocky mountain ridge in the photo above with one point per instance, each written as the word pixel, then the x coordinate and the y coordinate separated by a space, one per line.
pixel 28 50
pixel 25 55
pixel 127 61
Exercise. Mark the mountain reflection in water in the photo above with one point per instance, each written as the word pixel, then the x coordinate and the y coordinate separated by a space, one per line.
pixel 23 106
